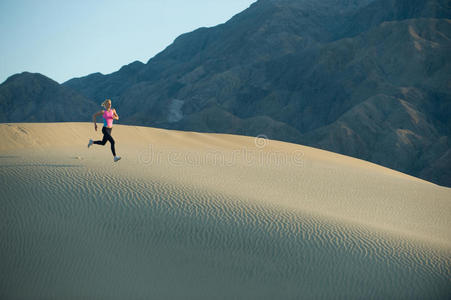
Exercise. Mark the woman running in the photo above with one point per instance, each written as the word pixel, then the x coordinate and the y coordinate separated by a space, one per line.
pixel 108 115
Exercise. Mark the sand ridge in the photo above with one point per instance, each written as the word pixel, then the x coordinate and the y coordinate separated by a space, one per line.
pixel 220 216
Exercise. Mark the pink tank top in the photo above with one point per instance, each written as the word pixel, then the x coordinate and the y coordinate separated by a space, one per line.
pixel 108 118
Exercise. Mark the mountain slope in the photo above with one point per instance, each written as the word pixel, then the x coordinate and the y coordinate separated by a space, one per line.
pixel 408 118
pixel 32 97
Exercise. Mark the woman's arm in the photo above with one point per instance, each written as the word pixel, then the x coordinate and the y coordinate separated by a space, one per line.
pixel 115 116
pixel 99 113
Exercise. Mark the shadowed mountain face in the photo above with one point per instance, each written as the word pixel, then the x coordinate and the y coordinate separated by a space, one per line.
pixel 368 79
pixel 29 97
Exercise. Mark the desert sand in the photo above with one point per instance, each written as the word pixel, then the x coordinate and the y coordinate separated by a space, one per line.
pixel 188 215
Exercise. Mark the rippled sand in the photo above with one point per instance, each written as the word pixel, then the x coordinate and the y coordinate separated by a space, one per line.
pixel 187 215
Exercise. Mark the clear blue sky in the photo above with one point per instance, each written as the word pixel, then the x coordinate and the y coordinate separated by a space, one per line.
pixel 63 39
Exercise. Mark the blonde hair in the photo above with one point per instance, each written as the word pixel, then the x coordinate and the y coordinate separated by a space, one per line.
pixel 105 102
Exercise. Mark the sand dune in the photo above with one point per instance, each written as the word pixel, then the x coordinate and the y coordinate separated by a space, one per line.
pixel 187 215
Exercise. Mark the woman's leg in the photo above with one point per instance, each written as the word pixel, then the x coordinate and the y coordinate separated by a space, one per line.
pixel 112 146
pixel 110 138
pixel 105 138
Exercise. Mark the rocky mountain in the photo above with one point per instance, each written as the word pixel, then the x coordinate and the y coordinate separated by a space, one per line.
pixel 368 78
pixel 29 97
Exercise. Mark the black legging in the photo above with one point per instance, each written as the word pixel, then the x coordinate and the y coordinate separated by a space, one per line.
pixel 107 137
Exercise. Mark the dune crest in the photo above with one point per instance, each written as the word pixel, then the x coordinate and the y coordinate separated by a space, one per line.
pixel 214 214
